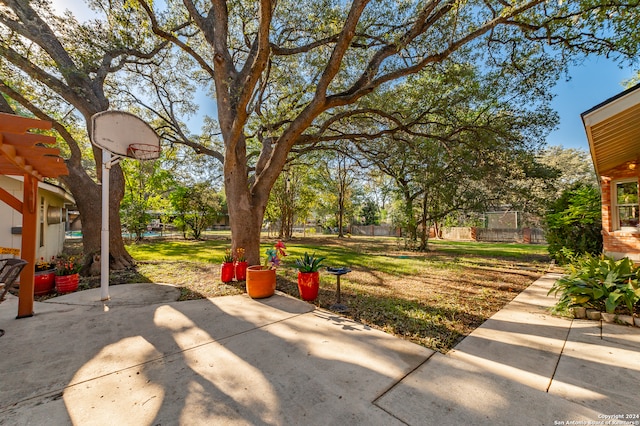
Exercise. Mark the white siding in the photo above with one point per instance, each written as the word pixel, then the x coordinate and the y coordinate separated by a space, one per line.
pixel 54 233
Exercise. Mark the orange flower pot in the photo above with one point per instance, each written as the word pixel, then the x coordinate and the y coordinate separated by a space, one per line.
pixel 261 282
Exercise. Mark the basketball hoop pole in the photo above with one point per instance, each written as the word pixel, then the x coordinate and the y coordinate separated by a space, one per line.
pixel 104 230
pixel 108 160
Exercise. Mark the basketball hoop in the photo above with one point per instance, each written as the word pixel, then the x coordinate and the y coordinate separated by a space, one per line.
pixel 143 151
pixel 117 133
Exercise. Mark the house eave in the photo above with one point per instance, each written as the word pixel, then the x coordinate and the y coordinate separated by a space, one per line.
pixel 55 189
pixel 613 130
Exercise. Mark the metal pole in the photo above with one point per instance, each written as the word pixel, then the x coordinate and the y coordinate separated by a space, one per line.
pixel 104 233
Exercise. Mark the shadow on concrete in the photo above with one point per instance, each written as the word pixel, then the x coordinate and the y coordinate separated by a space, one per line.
pixel 228 359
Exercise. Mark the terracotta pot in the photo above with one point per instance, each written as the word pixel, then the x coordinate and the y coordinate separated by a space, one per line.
pixel 44 282
pixel 260 282
pixel 67 283
pixel 226 272
pixel 241 271
pixel 308 285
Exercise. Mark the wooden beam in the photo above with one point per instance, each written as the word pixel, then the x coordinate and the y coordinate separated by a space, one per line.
pixel 8 150
pixel 17 124
pixel 12 201
pixel 29 233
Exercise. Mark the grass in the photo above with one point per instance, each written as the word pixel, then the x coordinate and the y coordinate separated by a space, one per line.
pixel 433 298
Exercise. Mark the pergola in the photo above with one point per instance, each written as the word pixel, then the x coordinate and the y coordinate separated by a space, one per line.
pixel 25 154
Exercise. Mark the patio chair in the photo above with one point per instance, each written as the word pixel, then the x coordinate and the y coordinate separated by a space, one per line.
pixel 9 271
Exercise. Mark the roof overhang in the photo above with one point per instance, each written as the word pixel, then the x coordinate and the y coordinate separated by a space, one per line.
pixel 49 187
pixel 613 130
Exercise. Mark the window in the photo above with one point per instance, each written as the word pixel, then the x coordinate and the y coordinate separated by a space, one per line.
pixel 626 204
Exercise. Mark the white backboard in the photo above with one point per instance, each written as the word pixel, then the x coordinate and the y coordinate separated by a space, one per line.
pixel 115 131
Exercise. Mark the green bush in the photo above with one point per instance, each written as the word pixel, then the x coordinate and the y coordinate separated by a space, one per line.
pixel 573 224
pixel 598 282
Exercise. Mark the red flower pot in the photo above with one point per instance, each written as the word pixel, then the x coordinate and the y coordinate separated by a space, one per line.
pixel 227 272
pixel 308 285
pixel 260 282
pixel 44 282
pixel 67 283
pixel 241 271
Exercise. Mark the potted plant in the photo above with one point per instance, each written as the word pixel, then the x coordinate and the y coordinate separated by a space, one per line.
pixel 67 277
pixel 44 277
pixel 227 269
pixel 261 280
pixel 240 265
pixel 308 276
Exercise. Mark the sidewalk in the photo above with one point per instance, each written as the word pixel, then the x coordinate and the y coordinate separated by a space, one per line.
pixel 143 358
pixel 523 366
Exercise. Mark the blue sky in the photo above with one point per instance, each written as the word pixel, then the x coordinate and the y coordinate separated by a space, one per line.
pixel 591 83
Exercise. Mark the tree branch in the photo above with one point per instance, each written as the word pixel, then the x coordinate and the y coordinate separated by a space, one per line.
pixel 169 36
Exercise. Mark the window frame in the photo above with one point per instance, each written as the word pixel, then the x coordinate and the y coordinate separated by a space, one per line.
pixel 616 225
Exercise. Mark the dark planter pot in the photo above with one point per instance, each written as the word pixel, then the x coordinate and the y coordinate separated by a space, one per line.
pixel 227 272
pixel 308 285
pixel 261 282
pixel 67 283
pixel 241 271
pixel 44 282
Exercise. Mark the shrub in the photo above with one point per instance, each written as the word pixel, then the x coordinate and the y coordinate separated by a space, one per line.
pixel 598 282
pixel 573 224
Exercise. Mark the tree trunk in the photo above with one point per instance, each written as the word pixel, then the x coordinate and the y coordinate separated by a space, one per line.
pixel 424 234
pixel 246 209
pixel 246 223
pixel 340 217
pixel 409 217
pixel 341 200
pixel 88 196
pixel 436 227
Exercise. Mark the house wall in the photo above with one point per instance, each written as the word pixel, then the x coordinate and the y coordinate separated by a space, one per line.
pixel 8 216
pixel 618 244
pixel 50 242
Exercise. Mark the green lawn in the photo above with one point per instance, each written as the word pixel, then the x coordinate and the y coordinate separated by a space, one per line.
pixel 369 252
pixel 433 298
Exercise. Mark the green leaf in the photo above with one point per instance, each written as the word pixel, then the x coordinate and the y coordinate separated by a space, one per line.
pixel 612 302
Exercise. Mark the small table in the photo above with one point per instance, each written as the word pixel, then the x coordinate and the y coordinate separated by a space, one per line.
pixel 338 272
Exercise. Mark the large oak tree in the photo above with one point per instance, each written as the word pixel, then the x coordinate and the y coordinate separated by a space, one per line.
pixel 288 73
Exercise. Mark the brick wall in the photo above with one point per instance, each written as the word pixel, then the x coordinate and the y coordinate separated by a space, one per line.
pixel 618 243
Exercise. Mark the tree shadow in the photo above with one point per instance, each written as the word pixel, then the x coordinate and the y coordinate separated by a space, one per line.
pixel 211 360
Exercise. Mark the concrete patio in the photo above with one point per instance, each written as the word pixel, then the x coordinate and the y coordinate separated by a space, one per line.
pixel 144 359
